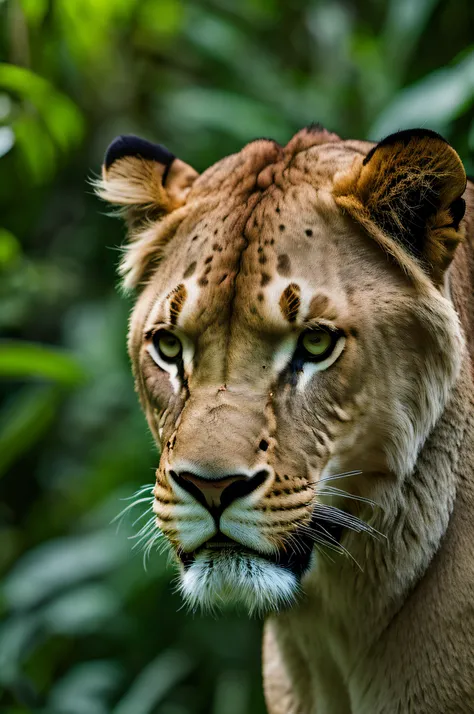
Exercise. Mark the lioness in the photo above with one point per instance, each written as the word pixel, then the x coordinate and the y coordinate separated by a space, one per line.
pixel 302 346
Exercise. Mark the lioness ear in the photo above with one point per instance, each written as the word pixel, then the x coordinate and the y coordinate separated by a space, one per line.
pixel 145 179
pixel 410 186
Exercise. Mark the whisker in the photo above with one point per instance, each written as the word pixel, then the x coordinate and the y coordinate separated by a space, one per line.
pixel 148 487
pixel 344 474
pixel 147 548
pixel 148 543
pixel 334 491
pixel 129 507
pixel 328 541
pixel 341 548
pixel 292 540
pixel 315 535
pixel 148 510
pixel 137 498
pixel 323 542
pixel 336 515
pixel 143 533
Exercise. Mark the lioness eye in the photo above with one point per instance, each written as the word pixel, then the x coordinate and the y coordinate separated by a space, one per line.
pixel 167 345
pixel 318 343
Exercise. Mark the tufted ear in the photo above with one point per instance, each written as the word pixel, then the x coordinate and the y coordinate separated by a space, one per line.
pixel 410 187
pixel 145 179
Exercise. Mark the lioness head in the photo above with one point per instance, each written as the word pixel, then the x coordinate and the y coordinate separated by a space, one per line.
pixel 292 326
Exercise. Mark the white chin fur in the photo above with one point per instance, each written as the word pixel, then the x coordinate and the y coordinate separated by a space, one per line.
pixel 237 579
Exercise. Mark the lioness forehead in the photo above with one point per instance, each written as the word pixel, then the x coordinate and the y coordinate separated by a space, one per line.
pixel 265 244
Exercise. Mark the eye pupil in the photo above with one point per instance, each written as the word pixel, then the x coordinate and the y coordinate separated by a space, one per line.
pixel 168 345
pixel 317 344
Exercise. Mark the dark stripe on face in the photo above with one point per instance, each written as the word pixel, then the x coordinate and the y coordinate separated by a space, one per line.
pixel 290 302
pixel 177 298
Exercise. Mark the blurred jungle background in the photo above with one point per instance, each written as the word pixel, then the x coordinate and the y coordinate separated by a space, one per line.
pixel 85 629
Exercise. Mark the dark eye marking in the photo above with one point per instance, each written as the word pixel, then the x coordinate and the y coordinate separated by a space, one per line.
pixel 290 302
pixel 177 298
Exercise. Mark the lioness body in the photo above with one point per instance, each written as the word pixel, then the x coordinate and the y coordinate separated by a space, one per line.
pixel 264 256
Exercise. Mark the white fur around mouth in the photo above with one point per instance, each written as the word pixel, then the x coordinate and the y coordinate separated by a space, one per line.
pixel 237 577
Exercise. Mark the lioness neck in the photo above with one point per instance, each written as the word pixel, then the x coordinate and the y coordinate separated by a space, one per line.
pixel 357 631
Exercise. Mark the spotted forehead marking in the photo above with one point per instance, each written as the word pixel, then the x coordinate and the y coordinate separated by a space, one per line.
pixel 290 302
pixel 284 265
pixel 190 270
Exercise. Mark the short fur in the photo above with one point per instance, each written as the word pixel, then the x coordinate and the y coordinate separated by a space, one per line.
pixel 371 242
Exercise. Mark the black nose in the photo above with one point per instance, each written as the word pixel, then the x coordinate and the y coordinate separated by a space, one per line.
pixel 218 492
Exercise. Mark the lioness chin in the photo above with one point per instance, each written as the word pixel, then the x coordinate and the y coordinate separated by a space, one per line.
pixel 302 348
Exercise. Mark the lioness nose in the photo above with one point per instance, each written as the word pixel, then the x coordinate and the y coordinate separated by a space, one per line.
pixel 218 492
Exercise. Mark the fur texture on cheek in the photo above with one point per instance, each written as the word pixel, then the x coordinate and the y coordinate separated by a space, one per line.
pixel 161 403
pixel 419 376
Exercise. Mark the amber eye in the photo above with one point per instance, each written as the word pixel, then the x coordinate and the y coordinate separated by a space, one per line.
pixel 167 345
pixel 318 344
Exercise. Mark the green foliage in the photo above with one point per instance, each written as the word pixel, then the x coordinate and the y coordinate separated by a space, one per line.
pixel 24 420
pixel 45 120
pixel 84 628
pixel 23 359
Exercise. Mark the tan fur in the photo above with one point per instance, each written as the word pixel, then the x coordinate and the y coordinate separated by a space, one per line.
pixel 374 193
pixel 131 181
pixel 272 241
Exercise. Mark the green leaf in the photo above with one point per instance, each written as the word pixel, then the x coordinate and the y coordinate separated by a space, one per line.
pixel 433 102
pixel 17 637
pixel 232 113
pixel 232 693
pixel 406 21
pixel 37 90
pixel 24 419
pixel 86 688
pixel 27 359
pixel 9 248
pixel 163 18
pixel 34 10
pixel 36 147
pixel 61 563
pixel 154 683
pixel 47 120
pixel 81 611
pixel 470 137
pixel 7 140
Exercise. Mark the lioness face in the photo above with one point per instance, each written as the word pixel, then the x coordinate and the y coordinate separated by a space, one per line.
pixel 276 346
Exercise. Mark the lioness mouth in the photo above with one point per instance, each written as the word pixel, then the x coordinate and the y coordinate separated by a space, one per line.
pixel 295 557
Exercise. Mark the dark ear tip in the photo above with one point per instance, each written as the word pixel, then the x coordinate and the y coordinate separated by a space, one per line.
pixel 457 210
pixel 129 145
pixel 404 137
